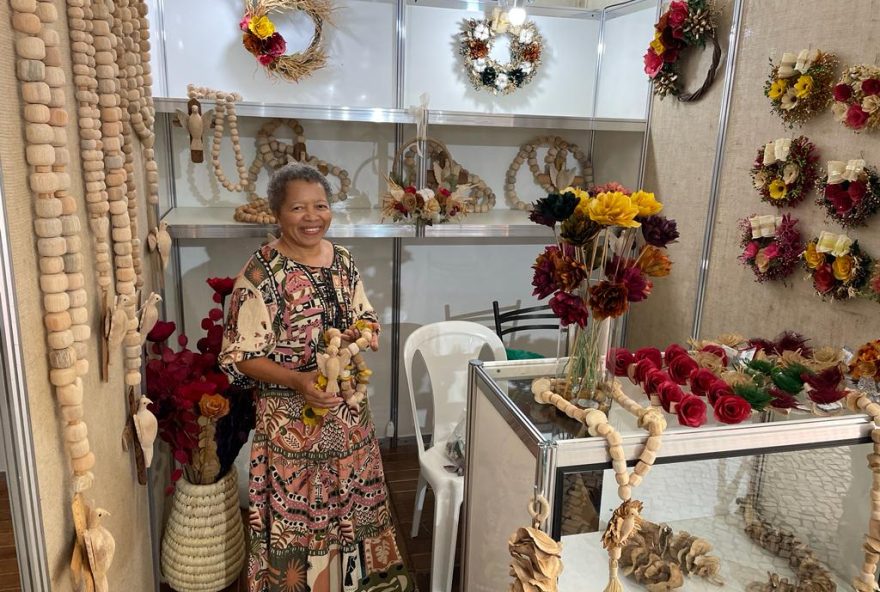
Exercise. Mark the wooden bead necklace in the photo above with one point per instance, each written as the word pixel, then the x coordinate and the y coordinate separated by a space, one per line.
pixel 554 177
pixel 866 581
pixel 224 110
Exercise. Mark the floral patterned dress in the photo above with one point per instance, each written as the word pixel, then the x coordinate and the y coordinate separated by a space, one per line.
pixel 319 516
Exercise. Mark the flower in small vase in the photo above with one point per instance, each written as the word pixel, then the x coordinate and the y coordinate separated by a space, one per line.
pixel 654 262
pixel 646 202
pixel 570 309
pixel 608 300
pixel 614 209
pixel 659 231
pixel 261 26
pixel 638 286
pixel 554 208
pixel 214 406
pixel 803 87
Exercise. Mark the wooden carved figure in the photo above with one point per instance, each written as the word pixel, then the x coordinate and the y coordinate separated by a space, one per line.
pixel 146 426
pixel 159 240
pixel 100 547
pixel 195 122
pixel 149 315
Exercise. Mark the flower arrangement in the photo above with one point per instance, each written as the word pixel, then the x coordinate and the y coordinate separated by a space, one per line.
pixel 799 87
pixel 785 171
pixel 485 73
pixel 264 42
pixel 865 364
pixel 857 98
pixel 203 419
pixel 772 246
pixel 607 229
pixel 685 24
pixel 850 192
pixel 425 205
pixel 837 265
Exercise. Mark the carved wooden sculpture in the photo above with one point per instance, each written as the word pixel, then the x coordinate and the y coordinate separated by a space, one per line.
pixel 195 123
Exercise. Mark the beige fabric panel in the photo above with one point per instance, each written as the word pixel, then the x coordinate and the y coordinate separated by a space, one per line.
pixel 734 301
pixel 678 169
pixel 116 487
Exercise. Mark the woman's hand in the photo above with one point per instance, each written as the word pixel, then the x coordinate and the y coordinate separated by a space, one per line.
pixel 305 384
pixel 351 335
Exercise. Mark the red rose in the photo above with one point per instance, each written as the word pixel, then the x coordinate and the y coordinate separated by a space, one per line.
pixel 717 351
pixel 672 352
pixel 856 117
pixel 222 286
pixel 842 92
pixel 839 198
pixel 732 409
pixel 681 368
pixel 691 412
pixel 653 63
pixel 823 278
pixel 871 86
pixel 641 370
pixel 161 331
pixel 718 389
pixel 653 380
pixel 619 359
pixel 650 353
pixel 678 14
pixel 670 394
pixel 856 191
pixel 701 380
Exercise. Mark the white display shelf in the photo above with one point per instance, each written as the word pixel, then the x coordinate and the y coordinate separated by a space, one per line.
pixel 218 223
pixel 386 115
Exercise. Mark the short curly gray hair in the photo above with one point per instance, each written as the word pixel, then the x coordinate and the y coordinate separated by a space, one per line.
pixel 293 171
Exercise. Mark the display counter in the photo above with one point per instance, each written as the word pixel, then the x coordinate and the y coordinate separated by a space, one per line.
pixel 792 480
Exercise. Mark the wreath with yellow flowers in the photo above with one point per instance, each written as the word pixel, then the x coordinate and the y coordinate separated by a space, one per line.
pixel 799 86
pixel 260 37
pixel 785 171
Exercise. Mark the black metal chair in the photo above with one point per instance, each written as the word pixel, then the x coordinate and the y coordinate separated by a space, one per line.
pixel 523 319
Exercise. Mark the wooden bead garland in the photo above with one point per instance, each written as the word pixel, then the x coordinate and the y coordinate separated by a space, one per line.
pixel 555 176
pixel 224 110
pixel 342 367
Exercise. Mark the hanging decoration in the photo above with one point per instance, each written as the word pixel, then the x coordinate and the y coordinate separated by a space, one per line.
pixel 487 74
pixel 785 171
pixel 857 98
pixel 264 42
pixel 838 267
pixel 536 559
pixel 555 176
pixel 195 123
pixel 850 192
pixel 443 172
pixel 772 246
pixel 273 153
pixel 799 86
pixel 424 206
pixel 685 24
pixel 224 111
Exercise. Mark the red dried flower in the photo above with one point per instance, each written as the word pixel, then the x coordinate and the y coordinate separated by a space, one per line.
pixel 608 300
pixel 842 92
pixel 718 389
pixel 531 52
pixel 701 381
pixel 570 309
pixel 642 367
pixel 732 409
pixel 650 353
pixel 670 394
pixel 672 352
pixel 222 286
pixel 717 351
pixel 477 49
pixel 161 331
pixel 691 412
pixel 681 368
pixel 823 279
pixel 856 117
pixel 555 271
pixel 653 379
pixel 619 360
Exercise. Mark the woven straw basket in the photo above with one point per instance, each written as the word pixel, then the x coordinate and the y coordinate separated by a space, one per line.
pixel 203 548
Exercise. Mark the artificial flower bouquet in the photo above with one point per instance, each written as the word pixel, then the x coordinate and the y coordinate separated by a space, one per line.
pixel 850 192
pixel 260 38
pixel 425 205
pixel 857 98
pixel 772 246
pixel 201 416
pixel 799 86
pixel 785 171
pixel 838 267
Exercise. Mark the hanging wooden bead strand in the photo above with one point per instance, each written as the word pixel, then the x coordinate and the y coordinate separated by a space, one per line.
pixel 867 580
pixel 147 132
pixel 224 110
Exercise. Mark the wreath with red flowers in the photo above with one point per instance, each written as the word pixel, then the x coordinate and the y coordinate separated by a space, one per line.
pixel 837 265
pixel 685 24
pixel 857 98
pixel 785 171
pixel 850 192
pixel 772 246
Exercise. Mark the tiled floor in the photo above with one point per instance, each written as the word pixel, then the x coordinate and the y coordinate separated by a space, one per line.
pixel 9 578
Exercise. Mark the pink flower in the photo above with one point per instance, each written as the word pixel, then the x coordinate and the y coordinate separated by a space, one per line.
pixel 751 250
pixel 871 86
pixel 842 92
pixel 856 117
pixel 653 63
pixel 266 59
pixel 244 22
pixel 678 14
pixel 772 251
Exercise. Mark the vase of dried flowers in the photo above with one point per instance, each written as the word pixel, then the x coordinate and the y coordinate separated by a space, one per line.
pixel 610 242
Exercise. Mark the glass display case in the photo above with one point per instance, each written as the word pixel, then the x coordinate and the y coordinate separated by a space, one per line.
pixel 760 492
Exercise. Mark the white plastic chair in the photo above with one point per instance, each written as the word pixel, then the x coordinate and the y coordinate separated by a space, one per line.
pixel 446 348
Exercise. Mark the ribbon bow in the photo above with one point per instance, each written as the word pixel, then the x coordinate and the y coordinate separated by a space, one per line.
pixel 499 22
pixel 420 114
pixel 764 226
pixel 836 244
pixel 786 66
pixel 839 171
pixel 806 59
pixel 777 151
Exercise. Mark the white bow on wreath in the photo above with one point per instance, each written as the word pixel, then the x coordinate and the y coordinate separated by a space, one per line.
pixel 792 65
pixel 777 151
pixel 839 171
pixel 764 226
pixel 836 244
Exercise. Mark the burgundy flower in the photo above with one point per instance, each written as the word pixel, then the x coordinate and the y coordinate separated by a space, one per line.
pixel 608 299
pixel 857 191
pixel 782 399
pixel 161 331
pixel 823 279
pixel 638 286
pixel 653 380
pixel 792 341
pixel 670 56
pixel 771 251
pixel 641 370
pixel 672 352
pixel 681 368
pixel 871 86
pixel 653 63
pixel 669 394
pixel 716 390
pixel 691 412
pixel 570 309
pixel 839 197
pixel 659 230
pixel 650 353
pixel 554 208
pixel 701 381
pixel 265 59
pixel 222 286
pixel 842 92
pixel 717 351
pixel 856 117
pixel 619 359
pixel 555 271
pixel 824 386
pixel 275 45
pixel 732 409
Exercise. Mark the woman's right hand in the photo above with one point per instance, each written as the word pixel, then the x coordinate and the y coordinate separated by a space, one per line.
pixel 305 384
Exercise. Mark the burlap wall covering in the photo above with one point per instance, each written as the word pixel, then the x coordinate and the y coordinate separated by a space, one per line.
pixel 116 487
pixel 680 165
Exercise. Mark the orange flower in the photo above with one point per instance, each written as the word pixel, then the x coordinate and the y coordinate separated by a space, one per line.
pixel 654 262
pixel 214 406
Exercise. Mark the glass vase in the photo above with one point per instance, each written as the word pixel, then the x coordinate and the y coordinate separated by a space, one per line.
pixel 584 370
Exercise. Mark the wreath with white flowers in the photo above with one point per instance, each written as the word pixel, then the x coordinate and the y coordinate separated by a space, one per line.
pixel 857 98
pixel 485 73
pixel 785 171
pixel 850 192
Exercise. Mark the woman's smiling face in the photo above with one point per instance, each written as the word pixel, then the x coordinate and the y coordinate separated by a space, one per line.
pixel 305 215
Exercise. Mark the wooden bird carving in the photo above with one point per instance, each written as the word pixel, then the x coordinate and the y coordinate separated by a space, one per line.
pixel 561 177
pixel 149 315
pixel 195 123
pixel 100 547
pixel 159 240
pixel 146 426
pixel 118 321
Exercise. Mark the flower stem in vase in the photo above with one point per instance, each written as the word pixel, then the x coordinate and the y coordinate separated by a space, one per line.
pixel 585 370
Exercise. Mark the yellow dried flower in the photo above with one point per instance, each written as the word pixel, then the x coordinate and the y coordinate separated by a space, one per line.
pixel 777 189
pixel 843 267
pixel 261 26
pixel 657 43
pixel 803 87
pixel 613 209
pixel 777 89
pixel 646 202
pixel 813 257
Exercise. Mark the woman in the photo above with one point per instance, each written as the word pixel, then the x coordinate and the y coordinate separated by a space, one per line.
pixel 319 517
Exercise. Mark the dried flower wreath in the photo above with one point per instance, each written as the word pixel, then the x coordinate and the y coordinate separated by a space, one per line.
pixel 785 171
pixel 772 246
pixel 857 98
pixel 850 192
pixel 799 87
pixel 837 265
pixel 485 73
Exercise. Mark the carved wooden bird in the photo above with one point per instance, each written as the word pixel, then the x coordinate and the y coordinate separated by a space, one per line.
pixel 195 123
pixel 149 315
pixel 100 547
pixel 160 240
pixel 146 426
pixel 118 321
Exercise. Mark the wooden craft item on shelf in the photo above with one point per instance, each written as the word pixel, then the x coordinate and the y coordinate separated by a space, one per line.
pixel 444 171
pixel 195 123
pixel 224 112
pixel 554 177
